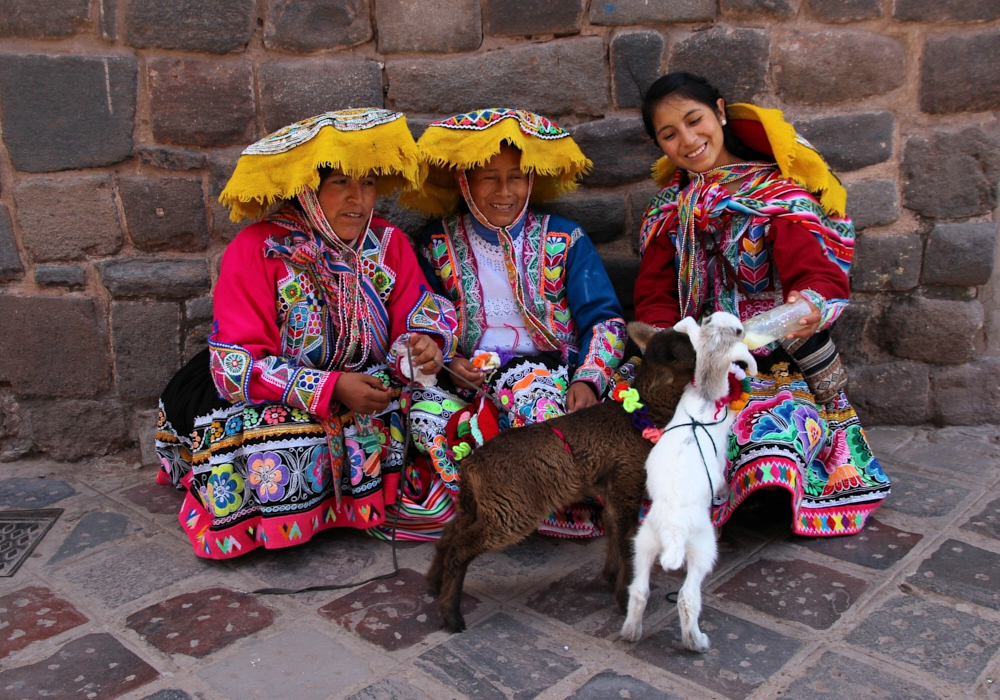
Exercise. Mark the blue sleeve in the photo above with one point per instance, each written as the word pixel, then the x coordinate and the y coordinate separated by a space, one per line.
pixel 596 313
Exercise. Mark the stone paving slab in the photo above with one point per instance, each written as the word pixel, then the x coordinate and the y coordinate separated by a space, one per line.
pixel 962 571
pixel 331 557
pixel 93 530
pixel 879 546
pixel 743 655
pixel 920 496
pixel 97 667
pixel 942 641
pixel 298 663
pixel 987 521
pixel 499 659
pixel 608 684
pixel 198 624
pixel 794 590
pixel 123 574
pixel 27 492
pixel 392 614
pixel 168 694
pixel 390 689
pixel 839 677
pixel 155 498
pixel 33 614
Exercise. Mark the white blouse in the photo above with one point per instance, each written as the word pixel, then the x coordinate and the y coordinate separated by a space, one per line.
pixel 505 327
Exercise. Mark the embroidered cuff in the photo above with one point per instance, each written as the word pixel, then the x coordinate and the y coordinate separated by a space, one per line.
pixel 829 309
pixel 435 315
pixel 604 354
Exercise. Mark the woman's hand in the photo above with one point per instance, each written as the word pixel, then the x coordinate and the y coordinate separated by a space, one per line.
pixel 580 395
pixel 467 371
pixel 362 393
pixel 807 325
pixel 425 353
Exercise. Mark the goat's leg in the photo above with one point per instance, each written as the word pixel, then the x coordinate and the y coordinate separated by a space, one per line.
pixel 471 539
pixel 701 551
pixel 441 548
pixel 622 517
pixel 647 548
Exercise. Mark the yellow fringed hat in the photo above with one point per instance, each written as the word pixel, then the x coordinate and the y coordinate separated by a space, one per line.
pixel 766 130
pixel 469 140
pixel 358 141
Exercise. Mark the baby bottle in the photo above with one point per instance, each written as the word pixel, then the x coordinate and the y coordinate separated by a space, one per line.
pixel 774 324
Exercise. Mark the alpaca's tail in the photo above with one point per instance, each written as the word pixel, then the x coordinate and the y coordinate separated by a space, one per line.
pixel 673 537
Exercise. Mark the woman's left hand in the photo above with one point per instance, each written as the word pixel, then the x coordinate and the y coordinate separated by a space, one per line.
pixel 808 325
pixel 425 353
pixel 580 395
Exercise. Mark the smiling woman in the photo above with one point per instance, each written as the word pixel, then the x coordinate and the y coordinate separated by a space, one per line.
pixel 749 217
pixel 290 422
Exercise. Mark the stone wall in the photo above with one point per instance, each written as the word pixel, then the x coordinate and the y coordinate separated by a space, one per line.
pixel 121 120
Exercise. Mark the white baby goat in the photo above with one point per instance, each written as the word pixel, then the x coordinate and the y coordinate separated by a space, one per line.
pixel 683 472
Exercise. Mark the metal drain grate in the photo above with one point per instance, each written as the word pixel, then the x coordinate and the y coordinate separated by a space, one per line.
pixel 20 531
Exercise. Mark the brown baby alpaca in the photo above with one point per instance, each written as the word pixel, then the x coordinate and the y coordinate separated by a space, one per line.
pixel 520 476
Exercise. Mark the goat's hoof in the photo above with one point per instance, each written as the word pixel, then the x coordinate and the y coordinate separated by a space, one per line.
pixel 697 641
pixel 453 623
pixel 631 632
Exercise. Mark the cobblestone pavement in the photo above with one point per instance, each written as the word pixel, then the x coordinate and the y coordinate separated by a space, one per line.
pixel 112 603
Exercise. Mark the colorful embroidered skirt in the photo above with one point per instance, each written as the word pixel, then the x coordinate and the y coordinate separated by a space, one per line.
pixel 531 389
pixel 818 453
pixel 260 476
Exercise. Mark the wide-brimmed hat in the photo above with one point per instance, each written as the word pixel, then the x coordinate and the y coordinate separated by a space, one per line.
pixel 766 130
pixel 470 140
pixel 358 141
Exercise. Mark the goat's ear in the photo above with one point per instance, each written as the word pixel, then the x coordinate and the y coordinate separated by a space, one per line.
pixel 741 353
pixel 641 333
pixel 689 327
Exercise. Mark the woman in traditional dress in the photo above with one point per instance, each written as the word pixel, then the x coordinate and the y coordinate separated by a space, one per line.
pixel 289 422
pixel 749 216
pixel 539 324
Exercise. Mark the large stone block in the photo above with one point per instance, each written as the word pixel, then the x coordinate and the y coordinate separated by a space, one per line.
pixel 951 174
pixel 734 60
pixel 293 90
pixel 855 334
pixel 527 17
pixel 155 277
pixel 10 258
pixel 968 394
pixel 212 26
pixel 844 10
pixel 67 112
pixel 755 9
pixel 600 214
pixel 645 12
pixel 620 148
pixel 67 331
pixel 886 261
pixel 836 66
pixel 146 340
pixel 960 254
pixel 429 26
pixel 42 19
pixel 68 219
pixel 623 271
pixel 942 331
pixel 166 213
pixel 851 141
pixel 937 11
pixel 961 72
pixel 892 393
pixel 558 77
pixel 201 102
pixel 172 158
pixel 60 276
pixel 872 203
pixel 635 64
pixel 69 430
pixel 316 25
pixel 220 168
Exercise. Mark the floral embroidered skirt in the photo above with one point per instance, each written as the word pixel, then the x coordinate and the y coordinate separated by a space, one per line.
pixel 531 389
pixel 260 476
pixel 818 453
